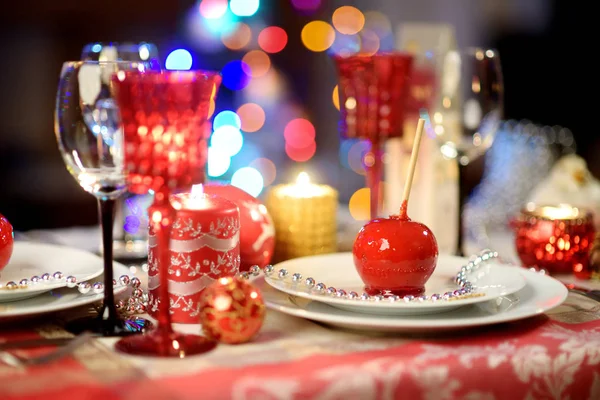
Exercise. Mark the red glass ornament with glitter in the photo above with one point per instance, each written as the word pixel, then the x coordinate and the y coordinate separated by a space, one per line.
pixel 165 126
pixel 373 91
pixel 6 241
pixel 557 239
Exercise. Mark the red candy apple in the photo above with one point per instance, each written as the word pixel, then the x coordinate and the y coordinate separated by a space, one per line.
pixel 257 232
pixel 6 241
pixel 395 256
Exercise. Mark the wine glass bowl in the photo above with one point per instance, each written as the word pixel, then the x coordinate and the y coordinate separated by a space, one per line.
pixel 90 140
pixel 372 95
pixel 87 127
pixel 468 106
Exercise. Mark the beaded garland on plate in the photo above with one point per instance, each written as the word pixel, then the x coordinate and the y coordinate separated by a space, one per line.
pixel 134 304
pixel 466 288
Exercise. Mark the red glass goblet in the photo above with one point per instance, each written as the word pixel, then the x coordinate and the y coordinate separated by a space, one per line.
pixel 373 91
pixel 165 120
pixel 557 239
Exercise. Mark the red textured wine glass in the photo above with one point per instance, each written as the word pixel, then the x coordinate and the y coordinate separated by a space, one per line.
pixel 165 120
pixel 372 90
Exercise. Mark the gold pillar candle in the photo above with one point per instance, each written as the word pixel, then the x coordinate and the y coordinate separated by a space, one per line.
pixel 304 215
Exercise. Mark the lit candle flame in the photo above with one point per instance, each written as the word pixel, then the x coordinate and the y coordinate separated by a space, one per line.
pixel 303 179
pixel 197 190
pixel 196 200
pixel 303 187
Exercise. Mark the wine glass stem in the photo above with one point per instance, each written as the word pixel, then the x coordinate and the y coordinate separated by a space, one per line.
pixel 372 163
pixel 462 197
pixel 162 230
pixel 108 313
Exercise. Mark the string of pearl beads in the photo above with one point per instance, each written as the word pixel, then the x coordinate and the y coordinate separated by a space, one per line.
pixel 465 288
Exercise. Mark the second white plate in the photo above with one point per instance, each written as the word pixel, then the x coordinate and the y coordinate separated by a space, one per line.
pixel 540 294
pixel 492 280
pixel 58 299
pixel 29 259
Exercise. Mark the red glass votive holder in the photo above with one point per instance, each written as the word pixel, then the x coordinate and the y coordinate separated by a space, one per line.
pixel 557 239
pixel 204 246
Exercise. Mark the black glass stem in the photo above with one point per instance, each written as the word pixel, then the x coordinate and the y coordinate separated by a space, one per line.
pixel 108 322
pixel 462 198
pixel 108 313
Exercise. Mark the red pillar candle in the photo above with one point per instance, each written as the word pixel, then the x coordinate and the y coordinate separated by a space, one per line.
pixel 204 246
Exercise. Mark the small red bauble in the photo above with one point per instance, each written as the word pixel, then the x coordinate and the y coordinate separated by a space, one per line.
pixel 6 241
pixel 231 310
pixel 257 232
pixel 395 256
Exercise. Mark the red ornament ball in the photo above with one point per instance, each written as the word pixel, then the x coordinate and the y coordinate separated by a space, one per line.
pixel 6 241
pixel 395 256
pixel 232 310
pixel 257 232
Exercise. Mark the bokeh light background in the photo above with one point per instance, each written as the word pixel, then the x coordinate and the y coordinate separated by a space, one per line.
pixel 265 127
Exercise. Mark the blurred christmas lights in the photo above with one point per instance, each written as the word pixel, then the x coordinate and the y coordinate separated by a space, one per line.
pixel 258 62
pixel 317 36
pixel 218 162
pixel 299 133
pixel 345 45
pixel 335 96
pixel 213 9
pixel 301 154
pixel 236 75
pixel 252 116
pixel 266 168
pixel 244 8
pixel 227 139
pixel 348 20
pixel 144 52
pixel 249 180
pixel 179 59
pixel 359 204
pixel 227 117
pixel 272 39
pixel 238 38
pixel 306 5
pixel 216 26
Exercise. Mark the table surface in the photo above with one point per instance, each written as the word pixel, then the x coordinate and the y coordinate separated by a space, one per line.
pixel 556 355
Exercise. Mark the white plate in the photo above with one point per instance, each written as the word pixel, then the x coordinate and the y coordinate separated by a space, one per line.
pixel 58 299
pixel 540 294
pixel 492 280
pixel 29 259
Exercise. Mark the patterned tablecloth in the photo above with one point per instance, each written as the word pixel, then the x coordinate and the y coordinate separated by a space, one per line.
pixel 554 356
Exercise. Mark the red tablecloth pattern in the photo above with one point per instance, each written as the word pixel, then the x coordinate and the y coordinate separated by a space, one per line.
pixel 556 356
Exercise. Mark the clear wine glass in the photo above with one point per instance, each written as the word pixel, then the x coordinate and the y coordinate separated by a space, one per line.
pixel 131 222
pixel 466 106
pixel 90 139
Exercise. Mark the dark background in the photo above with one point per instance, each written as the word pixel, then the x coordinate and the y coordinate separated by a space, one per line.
pixel 548 52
